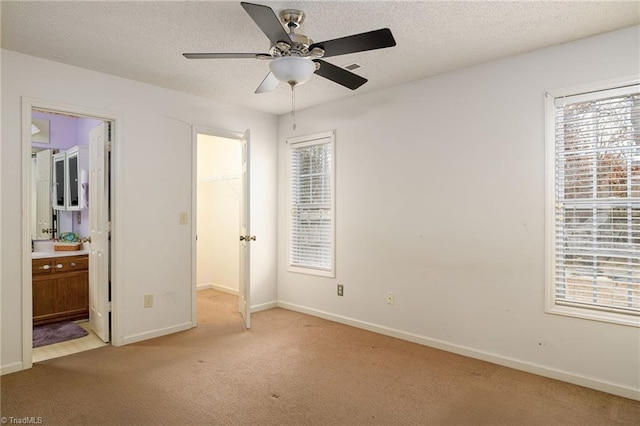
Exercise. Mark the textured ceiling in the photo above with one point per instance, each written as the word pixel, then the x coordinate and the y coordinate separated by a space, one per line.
pixel 144 40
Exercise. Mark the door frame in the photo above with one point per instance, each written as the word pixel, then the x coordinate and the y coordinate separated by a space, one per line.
pixel 227 134
pixel 28 104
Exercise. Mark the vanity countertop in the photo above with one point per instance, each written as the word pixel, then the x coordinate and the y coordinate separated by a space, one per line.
pixel 44 254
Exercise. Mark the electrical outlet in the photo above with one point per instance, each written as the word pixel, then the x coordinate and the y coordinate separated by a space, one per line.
pixel 340 290
pixel 148 300
pixel 389 298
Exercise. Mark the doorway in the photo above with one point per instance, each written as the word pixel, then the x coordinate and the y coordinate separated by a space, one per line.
pixel 221 198
pixel 218 193
pixel 66 251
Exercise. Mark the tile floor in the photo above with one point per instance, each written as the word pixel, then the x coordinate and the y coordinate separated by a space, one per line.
pixel 90 341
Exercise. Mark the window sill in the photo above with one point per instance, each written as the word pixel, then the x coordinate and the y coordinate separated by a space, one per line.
pixel 311 271
pixel 594 315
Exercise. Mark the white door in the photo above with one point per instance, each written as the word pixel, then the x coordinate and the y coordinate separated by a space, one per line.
pixel 245 236
pixel 99 224
pixel 43 195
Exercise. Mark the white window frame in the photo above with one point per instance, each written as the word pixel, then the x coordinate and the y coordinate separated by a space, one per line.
pixel 577 94
pixel 298 142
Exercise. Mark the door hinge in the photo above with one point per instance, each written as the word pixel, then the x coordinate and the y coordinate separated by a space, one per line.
pixel 108 307
pixel 108 226
pixel 109 126
pixel 107 146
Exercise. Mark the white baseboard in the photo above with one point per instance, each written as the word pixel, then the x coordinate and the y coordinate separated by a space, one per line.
pixel 264 306
pixel 206 286
pixel 529 367
pixel 155 333
pixel 11 368
pixel 218 287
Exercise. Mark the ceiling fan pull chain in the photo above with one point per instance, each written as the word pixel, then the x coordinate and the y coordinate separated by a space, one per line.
pixel 293 105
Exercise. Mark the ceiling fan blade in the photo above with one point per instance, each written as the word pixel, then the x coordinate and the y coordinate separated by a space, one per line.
pixel 269 84
pixel 268 22
pixel 371 40
pixel 221 55
pixel 339 75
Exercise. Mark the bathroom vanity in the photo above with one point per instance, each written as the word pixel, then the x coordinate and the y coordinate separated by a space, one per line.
pixel 60 286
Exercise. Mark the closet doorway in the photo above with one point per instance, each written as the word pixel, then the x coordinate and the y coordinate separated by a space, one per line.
pixel 221 198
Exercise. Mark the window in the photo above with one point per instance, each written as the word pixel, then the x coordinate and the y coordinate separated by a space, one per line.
pixel 311 204
pixel 593 215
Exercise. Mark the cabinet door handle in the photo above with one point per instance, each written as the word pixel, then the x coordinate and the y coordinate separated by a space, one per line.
pixel 73 264
pixel 45 267
pixel 59 266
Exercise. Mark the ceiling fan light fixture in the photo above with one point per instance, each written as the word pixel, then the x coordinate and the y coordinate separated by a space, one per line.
pixel 292 70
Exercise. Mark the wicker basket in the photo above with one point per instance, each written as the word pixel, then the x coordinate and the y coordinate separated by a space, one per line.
pixel 66 246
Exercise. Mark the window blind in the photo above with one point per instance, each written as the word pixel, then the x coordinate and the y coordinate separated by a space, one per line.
pixel 597 201
pixel 311 203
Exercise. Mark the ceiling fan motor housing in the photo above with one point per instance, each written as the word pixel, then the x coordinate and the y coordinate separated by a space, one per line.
pixel 300 47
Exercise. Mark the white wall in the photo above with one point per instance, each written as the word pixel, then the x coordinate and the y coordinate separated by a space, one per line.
pixel 219 193
pixel 441 200
pixel 153 184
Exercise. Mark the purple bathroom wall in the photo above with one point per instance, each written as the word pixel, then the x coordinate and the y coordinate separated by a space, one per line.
pixel 85 126
pixel 63 130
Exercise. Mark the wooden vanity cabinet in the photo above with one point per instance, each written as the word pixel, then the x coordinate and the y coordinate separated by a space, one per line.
pixel 60 289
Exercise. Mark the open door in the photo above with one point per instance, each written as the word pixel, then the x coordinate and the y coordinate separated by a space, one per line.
pixel 245 236
pixel 99 223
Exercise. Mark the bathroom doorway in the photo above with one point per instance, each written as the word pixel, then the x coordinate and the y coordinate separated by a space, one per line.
pixel 220 197
pixel 67 280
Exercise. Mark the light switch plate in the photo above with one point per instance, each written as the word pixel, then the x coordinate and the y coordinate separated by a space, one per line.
pixel 184 219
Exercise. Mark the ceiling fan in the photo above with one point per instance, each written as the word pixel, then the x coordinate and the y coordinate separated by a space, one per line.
pixel 295 57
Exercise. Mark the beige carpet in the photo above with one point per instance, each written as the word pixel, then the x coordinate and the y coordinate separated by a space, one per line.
pixel 293 369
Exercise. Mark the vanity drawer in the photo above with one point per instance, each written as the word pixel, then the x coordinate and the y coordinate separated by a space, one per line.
pixel 72 263
pixel 57 265
pixel 42 266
